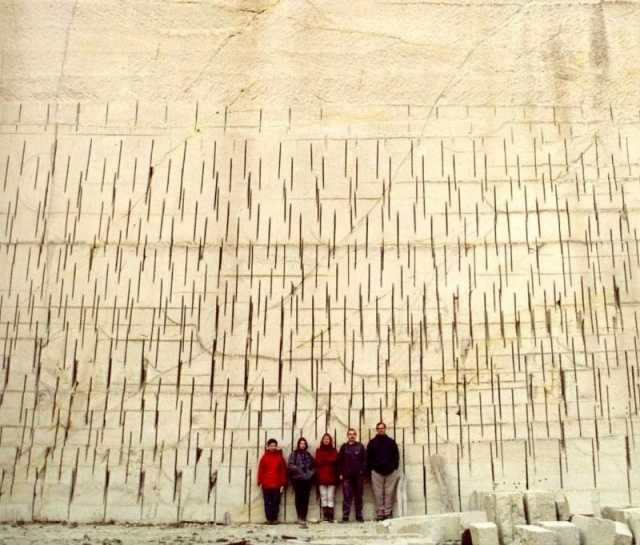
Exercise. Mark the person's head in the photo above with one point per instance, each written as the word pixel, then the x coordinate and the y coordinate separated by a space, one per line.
pixel 351 435
pixel 272 444
pixel 381 428
pixel 302 444
pixel 326 440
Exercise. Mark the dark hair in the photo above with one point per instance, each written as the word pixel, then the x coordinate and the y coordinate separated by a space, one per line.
pixel 330 440
pixel 272 441
pixel 300 441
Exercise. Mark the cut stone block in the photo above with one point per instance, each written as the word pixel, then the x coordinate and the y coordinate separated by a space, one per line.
pixel 539 505
pixel 595 530
pixel 119 513
pixel 566 532
pixel 417 541
pixel 583 502
pixel 632 519
pixel 85 513
pixel 612 513
pixel 467 518
pixel 620 514
pixel 16 512
pixel 486 502
pixel 435 527
pixel 528 534
pixel 20 494
pixel 505 509
pixel 628 518
pixel 52 507
pixel 484 533
pixel 623 534
pixel 439 528
pixel 562 510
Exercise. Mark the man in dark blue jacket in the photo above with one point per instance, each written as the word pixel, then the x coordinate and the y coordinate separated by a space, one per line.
pixel 352 464
pixel 383 460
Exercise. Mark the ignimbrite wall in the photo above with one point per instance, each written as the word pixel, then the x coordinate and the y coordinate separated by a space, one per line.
pixel 304 227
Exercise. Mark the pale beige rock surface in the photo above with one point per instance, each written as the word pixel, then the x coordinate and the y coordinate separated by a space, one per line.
pixel 191 534
pixel 288 53
pixel 221 222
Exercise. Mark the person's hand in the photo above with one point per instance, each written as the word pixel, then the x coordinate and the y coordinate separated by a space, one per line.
pixel 281 489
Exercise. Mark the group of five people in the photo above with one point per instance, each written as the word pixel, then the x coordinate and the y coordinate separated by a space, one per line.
pixel 328 468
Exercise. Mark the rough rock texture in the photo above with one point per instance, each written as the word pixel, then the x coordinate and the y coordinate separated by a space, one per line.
pixel 539 505
pixel 526 534
pixel 566 532
pixel 595 530
pixel 484 533
pixel 285 53
pixel 223 223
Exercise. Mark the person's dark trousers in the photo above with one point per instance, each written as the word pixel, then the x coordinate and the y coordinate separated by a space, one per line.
pixel 352 491
pixel 301 491
pixel 271 503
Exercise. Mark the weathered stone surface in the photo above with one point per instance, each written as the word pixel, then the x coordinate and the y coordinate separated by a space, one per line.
pixel 620 514
pixel 629 516
pixel 539 505
pixel 220 224
pixel 506 510
pixel 231 51
pixel 566 532
pixel 527 534
pixel 581 502
pixel 595 530
pixel 439 528
pixel 623 534
pixel 484 533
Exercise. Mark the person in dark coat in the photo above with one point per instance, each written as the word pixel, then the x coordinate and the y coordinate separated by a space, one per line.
pixel 383 460
pixel 327 475
pixel 301 471
pixel 272 478
pixel 352 464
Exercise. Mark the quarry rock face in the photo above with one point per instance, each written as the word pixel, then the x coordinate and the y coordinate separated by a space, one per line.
pixel 224 224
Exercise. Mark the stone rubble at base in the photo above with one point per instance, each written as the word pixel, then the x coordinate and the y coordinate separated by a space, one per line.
pixel 576 523
pixel 532 517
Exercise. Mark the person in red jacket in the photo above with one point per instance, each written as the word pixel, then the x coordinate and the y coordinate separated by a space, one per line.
pixel 327 475
pixel 272 478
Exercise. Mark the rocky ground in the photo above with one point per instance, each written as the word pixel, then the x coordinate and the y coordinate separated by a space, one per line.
pixel 370 533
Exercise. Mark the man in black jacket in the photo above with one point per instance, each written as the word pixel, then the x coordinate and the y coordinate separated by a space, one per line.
pixel 352 464
pixel 383 460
